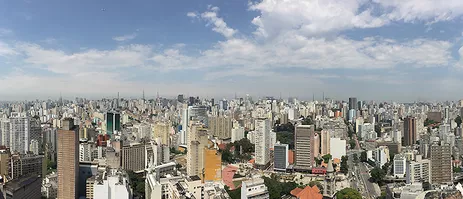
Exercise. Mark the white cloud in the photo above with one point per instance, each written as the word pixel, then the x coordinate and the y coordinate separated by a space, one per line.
pixel 429 11
pixel 125 37
pixel 6 50
pixel 219 25
pixel 191 14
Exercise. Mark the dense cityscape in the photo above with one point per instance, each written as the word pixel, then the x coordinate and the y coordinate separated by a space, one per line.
pixel 231 99
pixel 191 147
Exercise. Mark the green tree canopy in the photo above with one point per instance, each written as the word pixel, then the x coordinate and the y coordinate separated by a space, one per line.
pixel 363 156
pixel 348 193
pixel 352 143
pixel 458 121
pixel 344 167
pixel 377 174
pixel 327 158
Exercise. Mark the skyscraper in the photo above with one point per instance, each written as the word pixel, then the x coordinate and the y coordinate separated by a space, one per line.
pixel 113 122
pixel 19 133
pixel 197 141
pixel 68 160
pixel 262 145
pixel 441 164
pixel 303 143
pixel 353 103
pixel 325 142
pixel 409 131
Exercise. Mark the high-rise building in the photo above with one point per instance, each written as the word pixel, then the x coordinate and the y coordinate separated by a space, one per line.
pixel 280 157
pixel 197 141
pixel 112 185
pixel 303 142
pixel 418 171
pixel 198 113
pixel 316 145
pixel 220 126
pixel 68 160
pixel 5 132
pixel 399 165
pixel 353 103
pixel 325 142
pixel 19 133
pixel 262 144
pixel 113 122
pixel 185 125
pixel 337 147
pixel 133 157
pixel 162 131
pixel 237 133
pixel 180 98
pixel 409 131
pixel 441 164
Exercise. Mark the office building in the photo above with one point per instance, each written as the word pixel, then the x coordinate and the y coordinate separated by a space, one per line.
pixel 220 126
pixel 133 157
pixel 68 160
pixel 85 152
pixel 113 122
pixel 28 186
pixel 418 171
pixel 441 164
pixel 353 103
pixel 399 166
pixel 325 142
pixel 212 165
pixel 185 125
pixel 180 98
pixel 280 157
pixel 409 131
pixel 237 133
pixel 303 142
pixel 254 188
pixel 434 116
pixel 19 133
pixel 262 144
pixel 24 164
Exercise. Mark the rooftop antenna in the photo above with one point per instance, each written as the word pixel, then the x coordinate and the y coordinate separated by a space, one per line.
pixel 313 97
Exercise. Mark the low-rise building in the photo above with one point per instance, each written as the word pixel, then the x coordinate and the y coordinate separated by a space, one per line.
pixel 254 188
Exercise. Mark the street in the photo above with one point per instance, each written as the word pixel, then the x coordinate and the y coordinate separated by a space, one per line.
pixel 359 176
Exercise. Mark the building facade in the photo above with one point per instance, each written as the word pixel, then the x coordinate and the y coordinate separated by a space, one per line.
pixel 303 142
pixel 68 160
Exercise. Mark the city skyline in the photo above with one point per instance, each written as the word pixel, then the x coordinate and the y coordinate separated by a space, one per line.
pixel 390 50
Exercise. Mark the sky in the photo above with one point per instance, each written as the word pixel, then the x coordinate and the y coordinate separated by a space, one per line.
pixel 371 49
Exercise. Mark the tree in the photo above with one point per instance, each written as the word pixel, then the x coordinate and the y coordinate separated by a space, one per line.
pixel 234 194
pixel 458 121
pixel 352 143
pixel 318 161
pixel 327 157
pixel 377 174
pixel 348 193
pixel 316 183
pixel 344 167
pixel 363 156
pixel 456 169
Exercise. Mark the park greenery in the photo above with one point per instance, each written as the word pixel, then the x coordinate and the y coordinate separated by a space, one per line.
pixel 428 122
pixel 137 183
pixel 458 121
pixel 243 145
pixel 276 188
pixel 348 193
pixel 377 175
pixel 344 167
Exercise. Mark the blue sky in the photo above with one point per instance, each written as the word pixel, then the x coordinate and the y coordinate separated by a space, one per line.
pixel 372 49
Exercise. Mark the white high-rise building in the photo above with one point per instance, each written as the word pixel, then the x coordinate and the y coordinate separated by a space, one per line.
pixel 418 171
pixel 254 188
pixel 237 134
pixel 185 122
pixel 85 152
pixel 381 156
pixel 399 165
pixel 397 136
pixel 262 138
pixel 5 132
pixel 19 133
